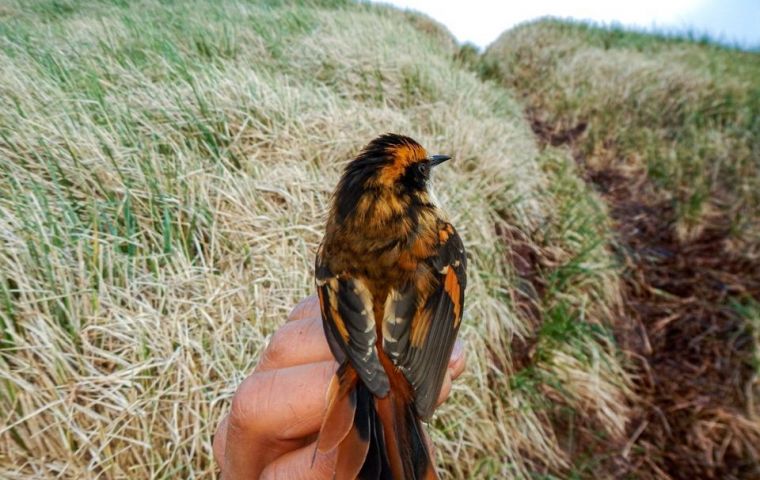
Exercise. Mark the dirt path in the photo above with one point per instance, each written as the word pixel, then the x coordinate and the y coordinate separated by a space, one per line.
pixel 692 350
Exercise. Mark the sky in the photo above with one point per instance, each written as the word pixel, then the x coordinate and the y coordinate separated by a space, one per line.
pixel 482 21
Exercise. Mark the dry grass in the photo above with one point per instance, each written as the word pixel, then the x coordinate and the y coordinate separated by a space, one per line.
pixel 683 112
pixel 165 169
pixel 667 131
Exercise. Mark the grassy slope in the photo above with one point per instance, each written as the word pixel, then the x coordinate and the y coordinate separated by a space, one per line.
pixel 164 169
pixel 669 130
pixel 686 113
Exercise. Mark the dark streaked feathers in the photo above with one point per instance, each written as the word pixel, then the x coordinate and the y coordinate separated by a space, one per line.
pixel 350 327
pixel 390 274
pixel 424 364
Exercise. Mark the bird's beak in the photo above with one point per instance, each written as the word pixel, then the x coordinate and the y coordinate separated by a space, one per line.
pixel 437 159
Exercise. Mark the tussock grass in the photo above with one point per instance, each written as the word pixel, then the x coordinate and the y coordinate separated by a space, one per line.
pixel 165 169
pixel 667 130
pixel 683 112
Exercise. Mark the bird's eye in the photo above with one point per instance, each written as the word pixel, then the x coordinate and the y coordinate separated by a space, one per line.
pixel 423 168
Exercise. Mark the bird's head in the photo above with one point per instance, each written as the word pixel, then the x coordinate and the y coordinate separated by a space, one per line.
pixel 389 163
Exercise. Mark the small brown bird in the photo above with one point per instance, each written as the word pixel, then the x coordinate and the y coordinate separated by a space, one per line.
pixel 390 274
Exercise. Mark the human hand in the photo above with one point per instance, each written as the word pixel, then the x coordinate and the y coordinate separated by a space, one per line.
pixel 277 411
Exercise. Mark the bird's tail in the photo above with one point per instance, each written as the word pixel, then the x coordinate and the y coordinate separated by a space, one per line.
pixel 375 438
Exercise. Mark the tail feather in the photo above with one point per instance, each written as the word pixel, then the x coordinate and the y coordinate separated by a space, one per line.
pixel 407 451
pixel 423 469
pixel 384 439
pixel 386 423
pixel 341 405
pixel 376 465
pixel 353 450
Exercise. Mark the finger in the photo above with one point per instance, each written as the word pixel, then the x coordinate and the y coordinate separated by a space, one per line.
pixel 283 404
pixel 220 440
pixel 297 465
pixel 456 366
pixel 306 308
pixel 458 360
pixel 298 342
pixel 445 389
pixel 429 443
pixel 271 411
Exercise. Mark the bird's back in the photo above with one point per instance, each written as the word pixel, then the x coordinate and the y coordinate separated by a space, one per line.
pixel 390 274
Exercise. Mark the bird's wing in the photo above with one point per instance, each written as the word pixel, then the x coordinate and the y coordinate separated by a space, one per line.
pixel 421 320
pixel 349 323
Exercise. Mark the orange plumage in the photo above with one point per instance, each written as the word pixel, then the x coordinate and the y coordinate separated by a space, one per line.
pixel 391 275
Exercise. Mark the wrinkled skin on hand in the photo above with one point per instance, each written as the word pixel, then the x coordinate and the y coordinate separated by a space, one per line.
pixel 276 412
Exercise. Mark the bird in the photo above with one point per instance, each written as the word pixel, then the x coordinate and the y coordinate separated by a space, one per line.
pixel 390 275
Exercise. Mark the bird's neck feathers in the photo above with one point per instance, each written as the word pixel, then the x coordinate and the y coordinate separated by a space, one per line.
pixel 382 214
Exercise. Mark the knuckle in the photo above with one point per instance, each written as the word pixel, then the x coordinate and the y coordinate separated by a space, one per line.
pixel 277 349
pixel 306 308
pixel 250 403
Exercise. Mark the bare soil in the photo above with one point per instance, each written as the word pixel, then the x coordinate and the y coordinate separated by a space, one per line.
pixel 692 352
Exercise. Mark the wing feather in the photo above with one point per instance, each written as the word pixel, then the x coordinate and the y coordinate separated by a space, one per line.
pixel 349 323
pixel 421 320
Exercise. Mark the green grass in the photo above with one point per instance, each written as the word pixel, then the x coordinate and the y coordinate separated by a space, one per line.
pixel 165 168
pixel 668 130
pixel 164 173
pixel 749 310
pixel 686 113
